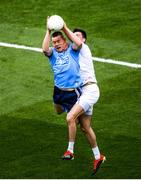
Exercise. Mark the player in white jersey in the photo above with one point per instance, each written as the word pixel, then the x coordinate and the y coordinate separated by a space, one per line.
pixel 83 109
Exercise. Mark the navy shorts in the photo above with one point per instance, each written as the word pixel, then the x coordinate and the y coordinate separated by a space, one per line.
pixel 66 98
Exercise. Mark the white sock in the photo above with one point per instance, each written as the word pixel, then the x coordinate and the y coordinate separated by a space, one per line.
pixel 96 152
pixel 71 146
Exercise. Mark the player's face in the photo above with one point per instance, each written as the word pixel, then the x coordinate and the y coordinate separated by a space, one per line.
pixel 59 43
pixel 79 35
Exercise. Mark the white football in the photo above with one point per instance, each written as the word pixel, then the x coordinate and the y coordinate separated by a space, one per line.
pixel 55 22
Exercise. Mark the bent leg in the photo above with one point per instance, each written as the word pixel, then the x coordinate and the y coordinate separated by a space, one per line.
pixel 58 108
pixel 72 116
pixel 85 122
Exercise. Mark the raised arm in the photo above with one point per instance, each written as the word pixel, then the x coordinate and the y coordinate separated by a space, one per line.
pixel 46 43
pixel 77 42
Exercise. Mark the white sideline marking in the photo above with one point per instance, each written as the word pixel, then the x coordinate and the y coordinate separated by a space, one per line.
pixel 111 61
pixel 20 47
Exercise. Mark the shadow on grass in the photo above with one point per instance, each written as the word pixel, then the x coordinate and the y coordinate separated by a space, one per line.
pixel 32 149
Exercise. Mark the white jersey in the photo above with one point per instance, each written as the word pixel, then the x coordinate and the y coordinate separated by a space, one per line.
pixel 87 71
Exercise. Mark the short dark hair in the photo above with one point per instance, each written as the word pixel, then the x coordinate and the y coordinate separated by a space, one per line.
pixel 57 33
pixel 82 31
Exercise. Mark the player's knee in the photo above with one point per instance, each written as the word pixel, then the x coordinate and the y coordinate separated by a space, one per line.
pixel 85 129
pixel 58 111
pixel 70 118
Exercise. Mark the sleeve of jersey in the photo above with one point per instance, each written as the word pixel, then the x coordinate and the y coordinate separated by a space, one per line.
pixel 85 51
pixel 74 53
pixel 49 52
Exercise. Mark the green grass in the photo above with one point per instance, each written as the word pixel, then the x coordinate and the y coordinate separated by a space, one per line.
pixel 32 136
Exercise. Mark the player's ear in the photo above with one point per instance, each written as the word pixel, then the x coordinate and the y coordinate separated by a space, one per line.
pixel 84 40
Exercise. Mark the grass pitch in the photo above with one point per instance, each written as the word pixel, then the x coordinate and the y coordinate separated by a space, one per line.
pixel 32 136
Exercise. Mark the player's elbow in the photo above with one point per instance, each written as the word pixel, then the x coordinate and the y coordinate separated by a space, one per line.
pixel 77 46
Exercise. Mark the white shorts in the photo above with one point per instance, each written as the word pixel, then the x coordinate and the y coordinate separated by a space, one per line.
pixel 90 95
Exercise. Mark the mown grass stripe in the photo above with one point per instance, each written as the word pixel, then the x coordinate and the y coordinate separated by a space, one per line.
pixel 111 61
